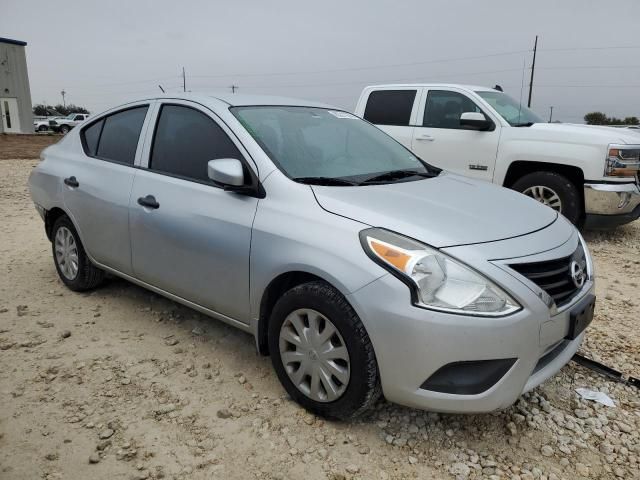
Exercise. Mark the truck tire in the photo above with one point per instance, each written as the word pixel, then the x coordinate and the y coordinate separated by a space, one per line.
pixel 64 129
pixel 554 190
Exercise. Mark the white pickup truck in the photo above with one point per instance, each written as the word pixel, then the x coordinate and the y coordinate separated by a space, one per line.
pixel 588 173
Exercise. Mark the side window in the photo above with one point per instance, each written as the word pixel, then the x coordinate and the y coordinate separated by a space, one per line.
pixel 79 117
pixel 390 107
pixel 90 137
pixel 184 142
pixel 443 109
pixel 120 132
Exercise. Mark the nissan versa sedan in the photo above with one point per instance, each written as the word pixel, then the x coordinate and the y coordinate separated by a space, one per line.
pixel 360 268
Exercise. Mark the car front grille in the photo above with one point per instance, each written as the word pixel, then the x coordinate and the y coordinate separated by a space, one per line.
pixel 555 276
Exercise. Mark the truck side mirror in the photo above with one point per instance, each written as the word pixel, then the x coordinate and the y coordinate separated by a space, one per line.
pixel 475 121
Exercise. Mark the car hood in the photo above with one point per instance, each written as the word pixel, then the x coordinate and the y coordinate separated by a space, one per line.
pixel 444 211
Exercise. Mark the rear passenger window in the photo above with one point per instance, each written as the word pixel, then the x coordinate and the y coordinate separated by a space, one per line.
pixel 120 133
pixel 91 135
pixel 185 141
pixel 390 107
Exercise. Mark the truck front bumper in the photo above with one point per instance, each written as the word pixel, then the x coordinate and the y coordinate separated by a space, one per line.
pixel 608 205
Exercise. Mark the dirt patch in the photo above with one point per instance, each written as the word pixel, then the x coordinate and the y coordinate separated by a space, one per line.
pixel 25 146
pixel 121 383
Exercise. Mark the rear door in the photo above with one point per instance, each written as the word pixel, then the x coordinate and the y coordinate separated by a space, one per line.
pixel 440 140
pixel 97 184
pixel 394 111
pixel 195 242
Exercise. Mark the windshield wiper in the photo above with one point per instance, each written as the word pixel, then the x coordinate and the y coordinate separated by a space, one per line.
pixel 523 124
pixel 398 174
pixel 327 181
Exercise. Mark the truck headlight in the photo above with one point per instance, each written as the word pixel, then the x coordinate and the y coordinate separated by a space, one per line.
pixel 622 161
pixel 437 281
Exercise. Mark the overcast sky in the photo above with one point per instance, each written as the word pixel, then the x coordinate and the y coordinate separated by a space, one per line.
pixel 104 52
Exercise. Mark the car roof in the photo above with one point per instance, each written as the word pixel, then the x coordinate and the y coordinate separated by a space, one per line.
pixel 237 99
pixel 430 85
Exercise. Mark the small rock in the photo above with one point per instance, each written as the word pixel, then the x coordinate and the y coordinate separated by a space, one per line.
pixel 352 469
pixel 581 413
pixel 51 456
pixel 164 409
pixel 413 460
pixel 106 433
pixel 242 380
pixel 364 450
pixel 94 458
pixel 197 331
pixel 582 470
pixel 547 451
pixel 223 413
pixel 171 342
pixel 65 334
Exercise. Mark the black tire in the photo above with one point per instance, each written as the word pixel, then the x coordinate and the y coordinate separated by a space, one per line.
pixel 363 388
pixel 64 129
pixel 43 128
pixel 571 202
pixel 89 276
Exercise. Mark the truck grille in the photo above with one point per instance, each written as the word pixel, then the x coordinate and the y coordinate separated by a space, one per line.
pixel 554 276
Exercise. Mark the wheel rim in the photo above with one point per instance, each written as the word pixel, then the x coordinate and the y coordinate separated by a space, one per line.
pixel 545 195
pixel 314 355
pixel 66 251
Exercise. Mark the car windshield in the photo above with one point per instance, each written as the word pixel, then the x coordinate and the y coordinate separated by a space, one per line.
pixel 513 112
pixel 71 116
pixel 330 146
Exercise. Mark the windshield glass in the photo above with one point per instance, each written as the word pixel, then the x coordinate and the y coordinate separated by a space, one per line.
pixel 307 142
pixel 509 109
pixel 70 116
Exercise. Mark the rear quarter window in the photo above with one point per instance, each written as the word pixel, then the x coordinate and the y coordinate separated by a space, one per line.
pixel 390 107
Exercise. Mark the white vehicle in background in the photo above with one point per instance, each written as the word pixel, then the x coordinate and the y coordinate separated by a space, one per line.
pixel 41 124
pixel 588 173
pixel 64 124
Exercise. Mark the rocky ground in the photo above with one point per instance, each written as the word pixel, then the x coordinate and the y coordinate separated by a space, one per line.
pixel 121 383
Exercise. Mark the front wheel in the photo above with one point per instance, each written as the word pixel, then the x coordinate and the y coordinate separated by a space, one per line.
pixel 322 353
pixel 553 190
pixel 64 129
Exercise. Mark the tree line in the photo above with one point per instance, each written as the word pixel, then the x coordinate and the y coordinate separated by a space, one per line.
pixel 599 118
pixel 42 110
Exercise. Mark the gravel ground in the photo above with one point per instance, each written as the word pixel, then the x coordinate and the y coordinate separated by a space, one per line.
pixel 121 383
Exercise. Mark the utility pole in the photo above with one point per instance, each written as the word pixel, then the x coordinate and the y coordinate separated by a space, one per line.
pixel 63 93
pixel 233 88
pixel 550 113
pixel 184 81
pixel 533 67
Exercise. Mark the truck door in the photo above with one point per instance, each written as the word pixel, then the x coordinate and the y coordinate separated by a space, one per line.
pixel 440 140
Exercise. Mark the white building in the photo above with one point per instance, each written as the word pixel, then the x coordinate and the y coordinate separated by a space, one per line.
pixel 15 96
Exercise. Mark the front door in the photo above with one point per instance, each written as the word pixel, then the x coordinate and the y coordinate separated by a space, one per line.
pixel 10 117
pixel 440 139
pixel 188 236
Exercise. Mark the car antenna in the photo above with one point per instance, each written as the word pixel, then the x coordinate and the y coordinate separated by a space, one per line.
pixel 160 87
pixel 498 88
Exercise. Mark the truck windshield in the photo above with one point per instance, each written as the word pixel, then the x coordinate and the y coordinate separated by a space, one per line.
pixel 513 112
pixel 329 147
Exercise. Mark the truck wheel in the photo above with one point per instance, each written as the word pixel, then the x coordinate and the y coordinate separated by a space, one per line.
pixel 322 353
pixel 554 190
pixel 64 129
pixel 43 128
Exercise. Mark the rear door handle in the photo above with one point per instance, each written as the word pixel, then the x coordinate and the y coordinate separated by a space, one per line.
pixel 71 182
pixel 149 202
pixel 425 138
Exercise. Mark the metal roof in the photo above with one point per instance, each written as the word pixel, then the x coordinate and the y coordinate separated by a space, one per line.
pixel 13 42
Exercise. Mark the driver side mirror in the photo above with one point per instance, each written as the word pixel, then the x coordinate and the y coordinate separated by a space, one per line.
pixel 227 172
pixel 475 121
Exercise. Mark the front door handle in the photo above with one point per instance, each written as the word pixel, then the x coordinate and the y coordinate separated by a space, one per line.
pixel 425 138
pixel 149 202
pixel 71 182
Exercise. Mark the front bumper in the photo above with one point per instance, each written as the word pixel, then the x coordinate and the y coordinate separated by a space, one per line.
pixel 412 344
pixel 611 204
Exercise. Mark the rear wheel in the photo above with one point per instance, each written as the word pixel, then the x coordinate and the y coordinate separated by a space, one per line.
pixel 64 129
pixel 72 263
pixel 321 352
pixel 554 190
pixel 43 128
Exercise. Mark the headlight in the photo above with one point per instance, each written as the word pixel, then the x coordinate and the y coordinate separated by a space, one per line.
pixel 622 161
pixel 437 281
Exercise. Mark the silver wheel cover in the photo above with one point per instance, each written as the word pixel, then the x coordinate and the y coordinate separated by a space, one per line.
pixel 545 195
pixel 314 355
pixel 66 251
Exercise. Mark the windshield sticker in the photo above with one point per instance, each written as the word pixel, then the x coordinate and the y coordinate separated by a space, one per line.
pixel 338 114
